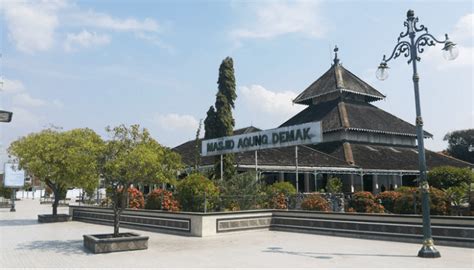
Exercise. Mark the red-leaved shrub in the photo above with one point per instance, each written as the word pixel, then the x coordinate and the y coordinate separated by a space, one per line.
pixel 364 202
pixel 315 202
pixel 135 198
pixel 162 200
pixel 388 198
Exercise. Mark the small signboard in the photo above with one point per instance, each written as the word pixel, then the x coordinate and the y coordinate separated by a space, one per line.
pixel 307 133
pixel 13 176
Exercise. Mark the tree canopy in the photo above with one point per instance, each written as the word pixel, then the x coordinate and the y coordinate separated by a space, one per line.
pixel 60 159
pixel 132 156
pixel 445 177
pixel 459 142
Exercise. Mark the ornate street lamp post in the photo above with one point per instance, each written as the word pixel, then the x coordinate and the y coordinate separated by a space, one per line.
pixel 411 49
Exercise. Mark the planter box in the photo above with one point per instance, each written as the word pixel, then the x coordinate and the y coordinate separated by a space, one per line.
pixel 51 218
pixel 103 243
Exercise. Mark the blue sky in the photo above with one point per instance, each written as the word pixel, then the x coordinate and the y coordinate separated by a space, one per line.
pixel 97 63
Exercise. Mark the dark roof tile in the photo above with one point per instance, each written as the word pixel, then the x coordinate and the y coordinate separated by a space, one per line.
pixel 337 79
pixel 361 116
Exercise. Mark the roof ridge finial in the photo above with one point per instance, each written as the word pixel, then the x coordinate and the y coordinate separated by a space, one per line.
pixel 336 60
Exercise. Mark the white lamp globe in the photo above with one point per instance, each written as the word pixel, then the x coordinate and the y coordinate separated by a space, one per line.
pixel 382 72
pixel 450 51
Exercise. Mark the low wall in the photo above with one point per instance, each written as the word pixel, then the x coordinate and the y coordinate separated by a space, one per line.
pixel 182 223
pixel 454 231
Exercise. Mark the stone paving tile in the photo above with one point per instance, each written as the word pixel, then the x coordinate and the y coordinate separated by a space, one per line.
pixel 26 243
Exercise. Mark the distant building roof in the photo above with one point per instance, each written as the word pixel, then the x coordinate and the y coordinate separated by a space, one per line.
pixel 335 81
pixel 388 157
pixel 353 115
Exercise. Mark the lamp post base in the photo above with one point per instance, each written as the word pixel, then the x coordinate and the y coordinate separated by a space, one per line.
pixel 428 250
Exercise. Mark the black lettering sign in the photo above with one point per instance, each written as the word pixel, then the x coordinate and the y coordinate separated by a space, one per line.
pixel 306 134
pixel 275 138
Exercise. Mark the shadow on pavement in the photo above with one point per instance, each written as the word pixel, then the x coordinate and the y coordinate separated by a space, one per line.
pixel 65 247
pixel 18 222
pixel 322 255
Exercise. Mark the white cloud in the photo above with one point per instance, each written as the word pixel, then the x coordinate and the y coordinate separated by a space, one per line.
pixel 177 122
pixel 105 21
pixel 464 29
pixel 31 25
pixel 463 35
pixel 25 100
pixel 34 26
pixel 25 120
pixel 16 91
pixel 275 18
pixel 85 39
pixel 257 99
pixel 12 86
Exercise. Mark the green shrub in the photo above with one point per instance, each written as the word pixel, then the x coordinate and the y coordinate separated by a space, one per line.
pixel 334 185
pixel 241 192
pixel 191 190
pixel 315 202
pixel 281 187
pixel 405 204
pixel 446 176
pixel 439 203
pixel 162 200
pixel 5 192
pixel 388 198
pixel 457 195
pixel 364 202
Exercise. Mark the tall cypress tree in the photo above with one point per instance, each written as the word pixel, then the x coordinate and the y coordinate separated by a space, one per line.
pixel 210 124
pixel 219 121
pixel 226 81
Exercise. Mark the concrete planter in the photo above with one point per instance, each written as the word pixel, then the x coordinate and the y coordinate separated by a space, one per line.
pixel 104 243
pixel 51 218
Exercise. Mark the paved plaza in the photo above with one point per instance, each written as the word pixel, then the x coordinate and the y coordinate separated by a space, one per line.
pixel 25 243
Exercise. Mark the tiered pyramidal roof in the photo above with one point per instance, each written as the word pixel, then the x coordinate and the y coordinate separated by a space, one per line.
pixel 355 130
pixel 337 82
pixel 341 100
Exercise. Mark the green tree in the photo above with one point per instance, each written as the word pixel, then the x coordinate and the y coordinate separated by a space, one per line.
pixel 196 193
pixel 459 142
pixel 457 195
pixel 132 156
pixel 241 191
pixel 197 155
pixel 219 121
pixel 445 177
pixel 334 185
pixel 210 124
pixel 281 187
pixel 60 159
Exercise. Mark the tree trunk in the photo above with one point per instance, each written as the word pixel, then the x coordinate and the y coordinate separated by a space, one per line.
pixel 56 191
pixel 121 197
pixel 116 221
pixel 116 201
